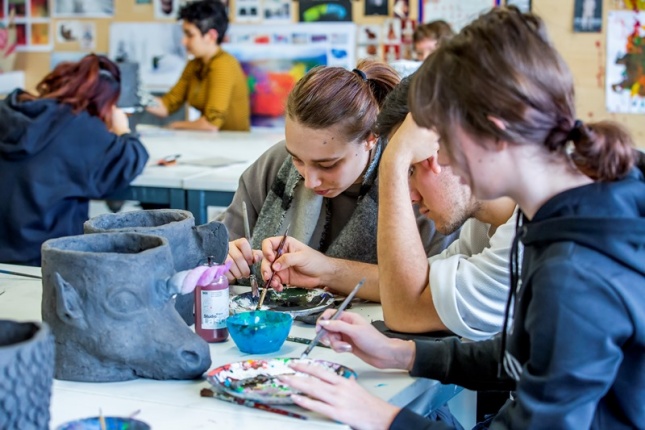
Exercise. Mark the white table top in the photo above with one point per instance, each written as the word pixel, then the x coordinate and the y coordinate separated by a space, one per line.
pixel 177 404
pixel 196 146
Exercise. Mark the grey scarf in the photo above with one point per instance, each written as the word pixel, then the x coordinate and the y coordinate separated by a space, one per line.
pixel 290 203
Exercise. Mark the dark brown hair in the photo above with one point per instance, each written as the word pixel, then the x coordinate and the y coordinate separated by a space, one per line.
pixel 92 84
pixel 437 30
pixel 503 65
pixel 328 96
pixel 206 15
pixel 394 109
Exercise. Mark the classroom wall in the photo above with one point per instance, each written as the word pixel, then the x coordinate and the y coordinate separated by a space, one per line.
pixel 584 52
pixel 585 55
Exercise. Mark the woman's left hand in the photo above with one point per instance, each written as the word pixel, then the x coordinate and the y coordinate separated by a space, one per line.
pixel 339 398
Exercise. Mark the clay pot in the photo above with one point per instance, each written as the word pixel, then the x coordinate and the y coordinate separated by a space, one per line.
pixel 26 374
pixel 190 245
pixel 109 300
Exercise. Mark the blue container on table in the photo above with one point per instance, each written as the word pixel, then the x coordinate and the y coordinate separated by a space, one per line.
pixel 259 332
pixel 109 423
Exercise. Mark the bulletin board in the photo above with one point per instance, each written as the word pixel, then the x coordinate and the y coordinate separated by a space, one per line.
pixel 585 52
pixel 37 64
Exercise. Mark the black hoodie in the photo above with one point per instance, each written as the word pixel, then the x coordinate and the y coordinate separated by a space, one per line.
pixel 52 162
pixel 576 345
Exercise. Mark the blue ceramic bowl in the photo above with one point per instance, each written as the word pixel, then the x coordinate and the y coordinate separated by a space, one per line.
pixel 259 332
pixel 111 423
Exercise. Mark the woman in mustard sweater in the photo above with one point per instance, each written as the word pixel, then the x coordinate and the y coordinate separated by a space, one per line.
pixel 213 82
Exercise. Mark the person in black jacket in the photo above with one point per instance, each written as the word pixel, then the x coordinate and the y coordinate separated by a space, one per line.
pixel 59 149
pixel 500 99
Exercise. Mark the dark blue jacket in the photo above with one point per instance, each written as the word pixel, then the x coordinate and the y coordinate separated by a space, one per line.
pixel 52 162
pixel 577 340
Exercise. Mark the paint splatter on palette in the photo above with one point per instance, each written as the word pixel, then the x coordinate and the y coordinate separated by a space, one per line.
pixel 257 379
pixel 295 301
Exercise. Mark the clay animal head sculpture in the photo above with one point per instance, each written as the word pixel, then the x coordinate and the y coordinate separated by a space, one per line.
pixel 108 300
pixel 190 244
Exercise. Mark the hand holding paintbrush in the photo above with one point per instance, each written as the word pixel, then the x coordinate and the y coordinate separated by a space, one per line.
pixel 267 285
pixel 247 233
pixel 340 310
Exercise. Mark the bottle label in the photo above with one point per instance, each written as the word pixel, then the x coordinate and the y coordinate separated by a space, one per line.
pixel 214 309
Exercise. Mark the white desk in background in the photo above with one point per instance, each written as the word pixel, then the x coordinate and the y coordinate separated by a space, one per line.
pixel 178 405
pixel 166 184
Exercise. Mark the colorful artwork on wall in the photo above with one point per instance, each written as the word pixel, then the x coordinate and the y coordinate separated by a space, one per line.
pixel 275 57
pixel 31 21
pixel 625 76
pixel 318 11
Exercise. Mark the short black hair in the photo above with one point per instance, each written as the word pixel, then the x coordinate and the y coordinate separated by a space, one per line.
pixel 206 15
pixel 394 109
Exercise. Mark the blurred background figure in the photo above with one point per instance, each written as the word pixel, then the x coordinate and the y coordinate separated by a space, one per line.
pixel 213 82
pixel 60 148
pixel 427 37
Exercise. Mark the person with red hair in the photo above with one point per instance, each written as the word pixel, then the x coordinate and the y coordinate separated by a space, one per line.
pixel 60 148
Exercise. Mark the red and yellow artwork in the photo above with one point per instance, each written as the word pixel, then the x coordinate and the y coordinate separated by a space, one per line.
pixel 634 62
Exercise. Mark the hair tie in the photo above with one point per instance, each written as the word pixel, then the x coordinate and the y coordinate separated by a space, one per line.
pixel 107 74
pixel 576 132
pixel 361 74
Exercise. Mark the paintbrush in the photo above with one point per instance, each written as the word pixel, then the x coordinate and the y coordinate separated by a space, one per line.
pixel 9 272
pixel 247 233
pixel 302 340
pixel 279 252
pixel 102 420
pixel 206 392
pixel 340 310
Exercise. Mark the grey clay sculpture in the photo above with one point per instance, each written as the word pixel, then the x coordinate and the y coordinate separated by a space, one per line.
pixel 108 300
pixel 26 375
pixel 190 245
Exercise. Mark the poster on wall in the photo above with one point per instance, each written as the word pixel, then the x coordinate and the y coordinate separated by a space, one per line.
pixel 247 11
pixel 325 10
pixel 83 8
pixel 625 76
pixel 522 5
pixel 457 14
pixel 79 34
pixel 277 11
pixel 275 57
pixel 31 25
pixel 368 41
pixel 401 9
pixel 377 7
pixel 156 46
pixel 587 16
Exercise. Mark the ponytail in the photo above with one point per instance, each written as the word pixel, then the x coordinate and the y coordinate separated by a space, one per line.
pixel 334 96
pixel 603 150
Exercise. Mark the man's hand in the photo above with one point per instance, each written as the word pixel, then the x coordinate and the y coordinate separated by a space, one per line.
pixel 412 143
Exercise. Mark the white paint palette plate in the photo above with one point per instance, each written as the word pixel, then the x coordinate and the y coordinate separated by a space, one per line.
pixel 295 301
pixel 257 379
